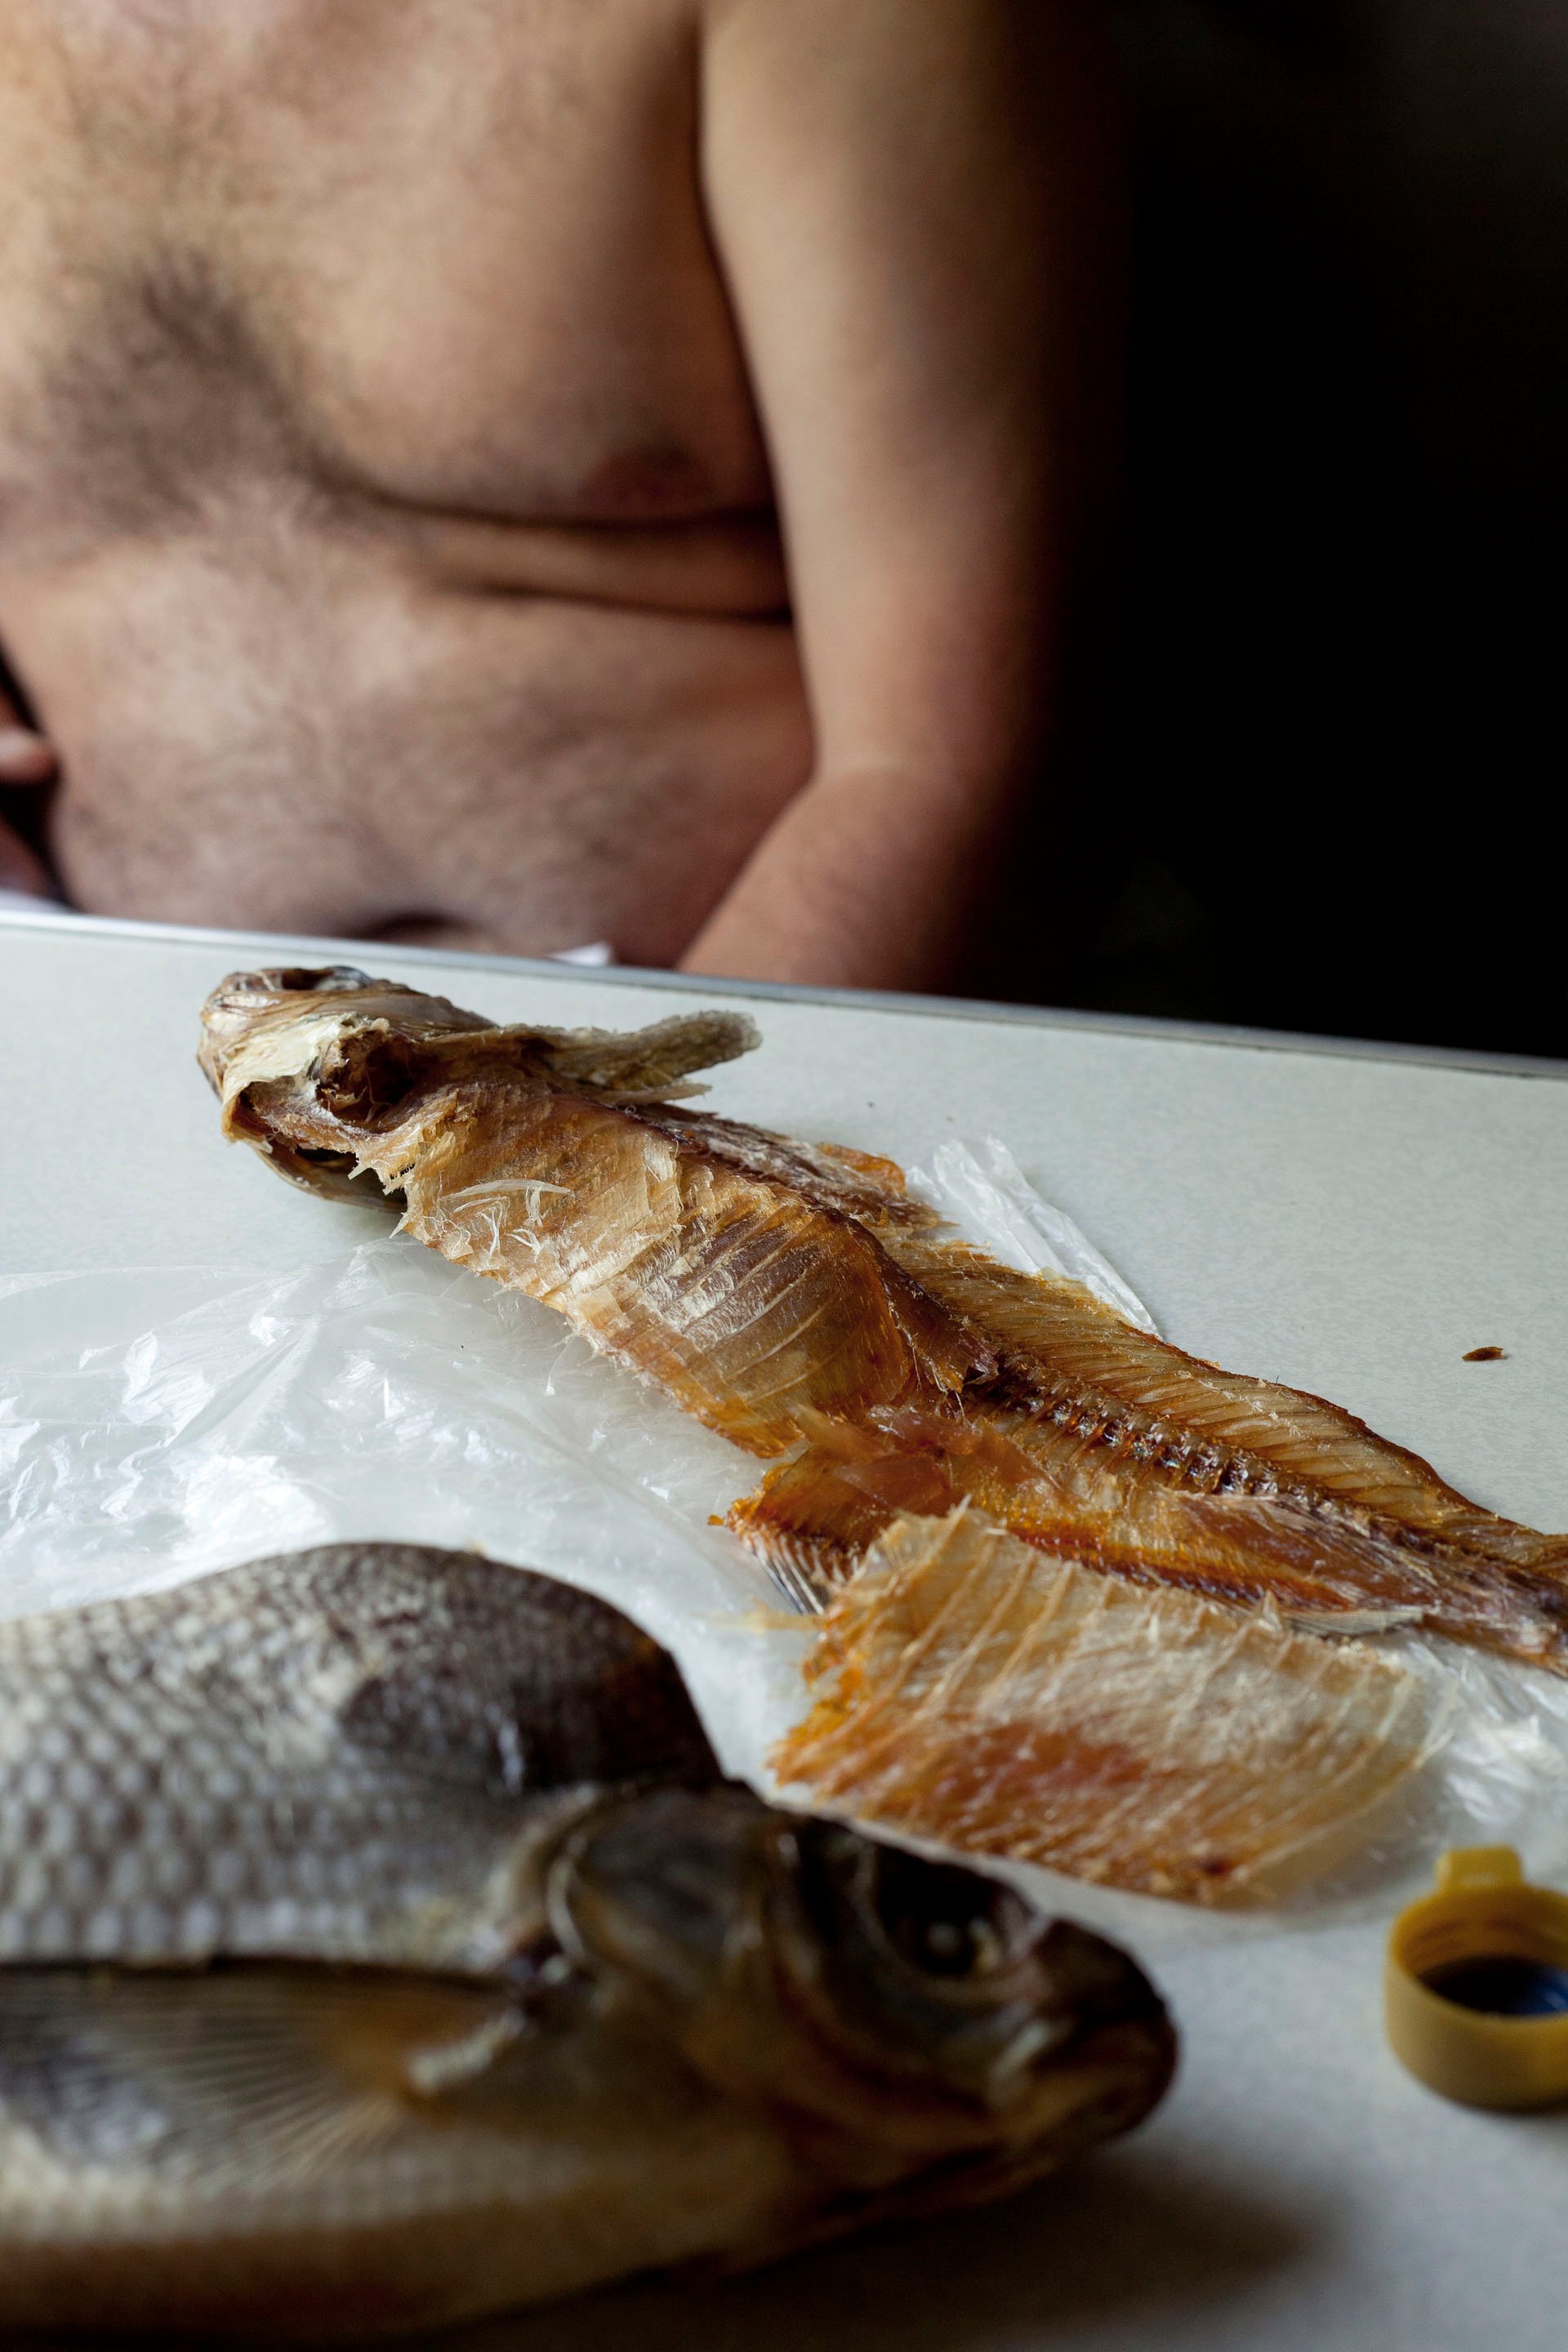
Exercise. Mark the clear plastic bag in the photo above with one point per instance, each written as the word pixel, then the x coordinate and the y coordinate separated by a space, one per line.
pixel 156 1424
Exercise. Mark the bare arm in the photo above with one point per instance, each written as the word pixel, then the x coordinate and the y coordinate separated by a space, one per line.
pixel 908 198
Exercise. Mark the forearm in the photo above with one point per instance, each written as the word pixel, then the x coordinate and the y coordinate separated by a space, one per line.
pixel 868 880
pixel 916 208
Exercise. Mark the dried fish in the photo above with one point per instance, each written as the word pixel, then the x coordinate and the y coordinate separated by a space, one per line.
pixel 1097 1439
pixel 721 1264
pixel 380 1945
pixel 797 1298
pixel 975 1691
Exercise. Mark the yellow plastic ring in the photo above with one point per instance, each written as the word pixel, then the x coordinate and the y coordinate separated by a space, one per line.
pixel 1483 1910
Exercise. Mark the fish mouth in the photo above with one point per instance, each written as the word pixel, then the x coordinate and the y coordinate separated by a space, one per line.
pixel 896 2016
pixel 941 1981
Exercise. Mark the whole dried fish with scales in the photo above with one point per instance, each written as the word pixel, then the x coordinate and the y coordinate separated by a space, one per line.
pixel 381 1946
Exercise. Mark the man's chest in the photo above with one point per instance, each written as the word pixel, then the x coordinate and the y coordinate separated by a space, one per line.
pixel 447 255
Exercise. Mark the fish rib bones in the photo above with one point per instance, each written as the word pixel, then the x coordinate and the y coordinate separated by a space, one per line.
pixel 975 1690
pixel 797 1298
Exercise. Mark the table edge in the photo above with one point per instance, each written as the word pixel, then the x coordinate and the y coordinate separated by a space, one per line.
pixel 64 923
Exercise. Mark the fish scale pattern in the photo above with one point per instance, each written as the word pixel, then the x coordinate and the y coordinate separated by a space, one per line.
pixel 322 1756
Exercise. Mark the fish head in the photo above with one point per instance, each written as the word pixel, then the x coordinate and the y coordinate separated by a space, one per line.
pixel 330 1042
pixel 910 2025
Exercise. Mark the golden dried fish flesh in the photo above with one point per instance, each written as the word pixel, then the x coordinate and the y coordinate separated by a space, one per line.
pixel 688 1247
pixel 380 1945
pixel 1096 1439
pixel 792 1295
pixel 975 1691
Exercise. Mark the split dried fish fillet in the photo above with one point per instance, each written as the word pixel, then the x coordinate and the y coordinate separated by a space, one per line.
pixel 1096 1439
pixel 977 1692
pixel 797 1300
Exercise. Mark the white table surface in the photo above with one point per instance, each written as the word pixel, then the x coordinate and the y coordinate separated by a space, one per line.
pixel 1350 1221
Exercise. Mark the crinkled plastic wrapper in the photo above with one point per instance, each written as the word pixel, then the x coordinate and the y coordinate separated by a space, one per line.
pixel 157 1423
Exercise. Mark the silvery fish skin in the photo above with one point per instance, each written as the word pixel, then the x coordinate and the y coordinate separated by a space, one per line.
pixel 794 1296
pixel 381 1946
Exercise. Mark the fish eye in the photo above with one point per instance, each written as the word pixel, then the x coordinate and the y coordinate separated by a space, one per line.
pixel 940 1920
pixel 943 1921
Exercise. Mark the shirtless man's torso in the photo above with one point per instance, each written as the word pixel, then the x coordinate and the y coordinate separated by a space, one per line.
pixel 507 473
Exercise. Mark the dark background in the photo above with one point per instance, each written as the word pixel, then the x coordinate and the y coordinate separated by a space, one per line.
pixel 1328 787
